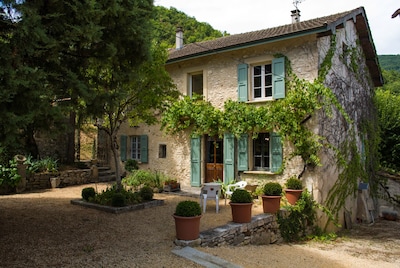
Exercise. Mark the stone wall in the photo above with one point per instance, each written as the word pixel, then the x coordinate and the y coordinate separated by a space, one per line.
pixel 61 179
pixel 262 230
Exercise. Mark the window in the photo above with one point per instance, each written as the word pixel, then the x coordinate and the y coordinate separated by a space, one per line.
pixel 135 147
pixel 196 84
pixel 162 151
pixel 261 152
pixel 262 81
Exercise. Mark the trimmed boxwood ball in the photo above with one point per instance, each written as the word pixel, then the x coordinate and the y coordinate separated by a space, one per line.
pixel 294 183
pixel 241 196
pixel 272 189
pixel 146 193
pixel 188 208
pixel 118 200
pixel 88 193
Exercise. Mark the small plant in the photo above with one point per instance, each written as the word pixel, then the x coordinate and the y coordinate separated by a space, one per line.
pixel 131 165
pixel 241 196
pixel 146 193
pixel 118 200
pixel 88 193
pixel 188 208
pixel 272 189
pixel 294 183
pixel 9 174
pixel 106 197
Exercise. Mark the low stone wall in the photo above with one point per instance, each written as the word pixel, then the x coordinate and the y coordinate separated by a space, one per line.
pixel 262 230
pixel 61 179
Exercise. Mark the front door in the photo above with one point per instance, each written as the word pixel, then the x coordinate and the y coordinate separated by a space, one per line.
pixel 214 156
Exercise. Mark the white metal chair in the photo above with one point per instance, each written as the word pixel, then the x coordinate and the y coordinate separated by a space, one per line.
pixel 232 187
pixel 210 191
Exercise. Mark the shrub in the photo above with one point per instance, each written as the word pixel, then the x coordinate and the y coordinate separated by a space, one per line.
pixel 188 208
pixel 241 196
pixel 9 174
pixel 294 183
pixel 146 193
pixel 118 200
pixel 88 193
pixel 131 165
pixel 272 189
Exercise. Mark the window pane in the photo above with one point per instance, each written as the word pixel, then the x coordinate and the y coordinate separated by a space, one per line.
pixel 268 68
pixel 268 92
pixel 268 80
pixel 257 82
pixel 261 152
pixel 257 70
pixel 197 84
pixel 257 93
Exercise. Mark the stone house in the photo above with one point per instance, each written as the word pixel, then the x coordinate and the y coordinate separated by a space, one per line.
pixel 250 67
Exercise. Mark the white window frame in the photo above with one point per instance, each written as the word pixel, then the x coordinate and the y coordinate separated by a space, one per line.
pixel 190 78
pixel 269 155
pixel 134 142
pixel 263 86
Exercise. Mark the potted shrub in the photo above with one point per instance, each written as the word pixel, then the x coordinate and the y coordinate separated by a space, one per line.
pixel 187 220
pixel 272 197
pixel 241 204
pixel 294 188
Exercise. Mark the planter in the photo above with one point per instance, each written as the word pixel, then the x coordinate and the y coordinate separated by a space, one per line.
pixel 293 195
pixel 271 204
pixel 187 228
pixel 241 212
pixel 173 187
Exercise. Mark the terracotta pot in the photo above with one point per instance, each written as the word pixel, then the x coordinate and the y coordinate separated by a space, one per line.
pixel 241 212
pixel 293 195
pixel 271 204
pixel 187 228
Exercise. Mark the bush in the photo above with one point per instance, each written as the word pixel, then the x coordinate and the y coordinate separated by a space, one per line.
pixel 118 200
pixel 188 209
pixel 272 189
pixel 131 165
pixel 106 197
pixel 241 196
pixel 88 193
pixel 146 193
pixel 294 183
pixel 9 174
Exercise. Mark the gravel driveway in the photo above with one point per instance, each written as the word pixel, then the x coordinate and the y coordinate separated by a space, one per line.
pixel 42 229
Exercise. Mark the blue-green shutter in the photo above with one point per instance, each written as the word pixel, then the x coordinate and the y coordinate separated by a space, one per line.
pixel 144 155
pixel 242 82
pixel 123 142
pixel 195 154
pixel 229 157
pixel 242 153
pixel 278 78
pixel 276 152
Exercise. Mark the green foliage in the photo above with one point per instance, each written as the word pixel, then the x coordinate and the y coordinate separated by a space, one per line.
pixel 118 200
pixel 241 196
pixel 272 189
pixel 146 193
pixel 188 208
pixel 389 62
pixel 141 177
pixel 294 183
pixel 88 193
pixel 47 164
pixel 9 174
pixel 123 197
pixel 131 165
pixel 294 223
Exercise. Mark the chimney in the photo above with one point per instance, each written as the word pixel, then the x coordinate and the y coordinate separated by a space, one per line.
pixel 179 38
pixel 295 16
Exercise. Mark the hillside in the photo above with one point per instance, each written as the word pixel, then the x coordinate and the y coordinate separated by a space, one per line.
pixel 389 62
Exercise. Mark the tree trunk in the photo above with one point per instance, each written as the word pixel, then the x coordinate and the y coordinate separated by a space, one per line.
pixel 114 149
pixel 70 157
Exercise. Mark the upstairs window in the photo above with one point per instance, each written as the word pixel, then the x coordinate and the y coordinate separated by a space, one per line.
pixel 262 81
pixel 196 84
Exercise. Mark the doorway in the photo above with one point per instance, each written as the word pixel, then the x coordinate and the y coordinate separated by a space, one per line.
pixel 214 157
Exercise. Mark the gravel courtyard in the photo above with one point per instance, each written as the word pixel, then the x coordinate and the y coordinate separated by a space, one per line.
pixel 42 229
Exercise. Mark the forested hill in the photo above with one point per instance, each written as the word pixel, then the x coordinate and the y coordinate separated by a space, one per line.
pixel 389 62
pixel 167 20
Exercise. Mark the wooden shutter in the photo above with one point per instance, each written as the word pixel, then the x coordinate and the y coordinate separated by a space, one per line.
pixel 144 155
pixel 195 154
pixel 229 157
pixel 123 143
pixel 242 82
pixel 278 78
pixel 276 152
pixel 242 153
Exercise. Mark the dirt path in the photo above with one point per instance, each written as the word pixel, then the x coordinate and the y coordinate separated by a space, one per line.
pixel 43 229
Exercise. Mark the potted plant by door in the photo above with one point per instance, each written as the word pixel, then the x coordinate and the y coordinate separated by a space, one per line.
pixel 294 188
pixel 241 204
pixel 187 220
pixel 272 197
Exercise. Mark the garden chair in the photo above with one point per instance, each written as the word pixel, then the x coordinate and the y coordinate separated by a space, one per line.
pixel 232 187
pixel 210 191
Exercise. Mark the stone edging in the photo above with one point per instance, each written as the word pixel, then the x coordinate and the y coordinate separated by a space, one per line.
pixel 116 210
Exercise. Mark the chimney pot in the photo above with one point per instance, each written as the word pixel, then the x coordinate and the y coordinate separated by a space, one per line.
pixel 295 16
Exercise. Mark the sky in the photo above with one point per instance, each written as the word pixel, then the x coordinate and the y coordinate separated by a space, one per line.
pixel 238 16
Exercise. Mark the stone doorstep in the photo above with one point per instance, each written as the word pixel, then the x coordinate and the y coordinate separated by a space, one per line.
pixel 207 260
pixel 116 210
